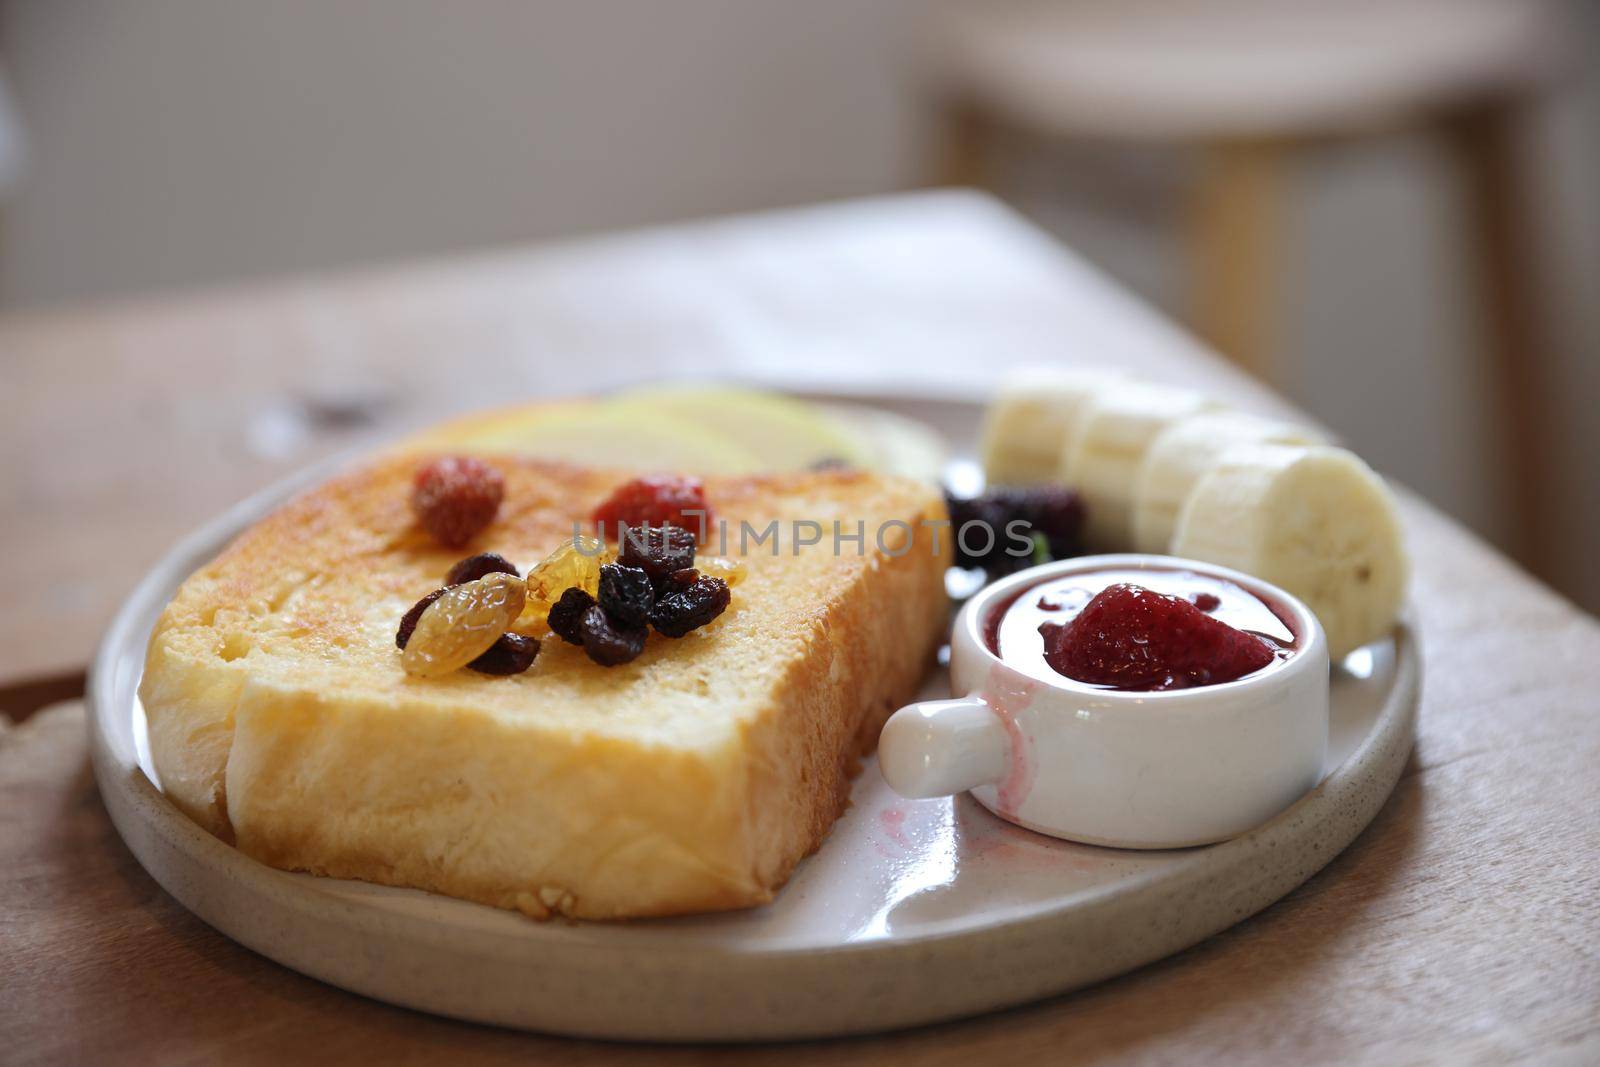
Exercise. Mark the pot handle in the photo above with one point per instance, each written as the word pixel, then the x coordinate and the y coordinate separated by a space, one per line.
pixel 935 748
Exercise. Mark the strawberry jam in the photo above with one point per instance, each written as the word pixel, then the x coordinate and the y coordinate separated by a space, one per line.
pixel 1139 629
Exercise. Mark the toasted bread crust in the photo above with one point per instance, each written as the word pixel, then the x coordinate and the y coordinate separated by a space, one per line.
pixel 693 779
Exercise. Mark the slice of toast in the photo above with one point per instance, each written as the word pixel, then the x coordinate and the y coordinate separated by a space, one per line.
pixel 692 779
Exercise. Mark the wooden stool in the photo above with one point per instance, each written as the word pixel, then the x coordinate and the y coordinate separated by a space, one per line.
pixel 1251 84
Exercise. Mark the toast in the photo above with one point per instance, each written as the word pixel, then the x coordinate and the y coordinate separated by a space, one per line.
pixel 691 779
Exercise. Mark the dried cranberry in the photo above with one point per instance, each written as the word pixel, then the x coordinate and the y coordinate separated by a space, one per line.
pixel 408 621
pixel 655 501
pixel 1132 638
pixel 626 594
pixel 657 550
pixel 567 612
pixel 455 497
pixel 474 567
pixel 511 654
pixel 692 607
pixel 609 641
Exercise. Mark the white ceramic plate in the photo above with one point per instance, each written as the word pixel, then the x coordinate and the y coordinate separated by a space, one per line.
pixel 912 911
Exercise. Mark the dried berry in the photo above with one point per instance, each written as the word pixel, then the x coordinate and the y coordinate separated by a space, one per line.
pixel 408 621
pixel 455 497
pixel 609 641
pixel 461 624
pixel 575 564
pixel 692 607
pixel 626 594
pixel 567 613
pixel 657 550
pixel 654 501
pixel 511 654
pixel 677 581
pixel 474 567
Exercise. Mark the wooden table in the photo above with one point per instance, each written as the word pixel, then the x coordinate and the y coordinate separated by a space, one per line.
pixel 1463 925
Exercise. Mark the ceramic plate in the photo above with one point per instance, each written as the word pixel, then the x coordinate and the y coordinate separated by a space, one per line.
pixel 912 911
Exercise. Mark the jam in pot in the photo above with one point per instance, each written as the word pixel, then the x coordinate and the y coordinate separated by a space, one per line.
pixel 1139 629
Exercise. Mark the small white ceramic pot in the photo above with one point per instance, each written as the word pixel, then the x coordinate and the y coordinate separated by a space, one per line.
pixel 1110 767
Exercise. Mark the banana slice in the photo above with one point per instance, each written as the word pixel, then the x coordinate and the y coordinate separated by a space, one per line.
pixel 1312 519
pixel 1182 454
pixel 1034 413
pixel 1102 458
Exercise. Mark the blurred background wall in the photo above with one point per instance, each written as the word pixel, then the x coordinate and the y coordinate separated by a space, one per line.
pixel 180 143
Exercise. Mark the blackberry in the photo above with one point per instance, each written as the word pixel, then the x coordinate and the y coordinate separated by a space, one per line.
pixel 1058 513
pixel 1054 513
pixel 608 641
pixel 511 654
pixel 567 612
pixel 408 621
pixel 657 550
pixel 984 542
pixel 474 567
pixel 691 607
pixel 626 594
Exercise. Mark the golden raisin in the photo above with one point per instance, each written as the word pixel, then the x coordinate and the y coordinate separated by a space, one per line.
pixel 575 564
pixel 731 571
pixel 462 624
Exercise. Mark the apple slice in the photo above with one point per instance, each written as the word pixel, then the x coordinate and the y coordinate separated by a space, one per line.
pixel 781 432
pixel 894 444
pixel 595 434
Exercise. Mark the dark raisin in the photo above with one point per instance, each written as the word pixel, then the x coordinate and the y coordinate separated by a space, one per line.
pixel 608 641
pixel 474 567
pixel 678 581
pixel 567 612
pixel 692 607
pixel 831 463
pixel 626 594
pixel 511 654
pixel 657 550
pixel 408 621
